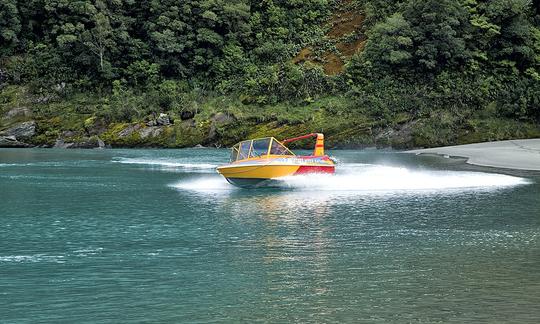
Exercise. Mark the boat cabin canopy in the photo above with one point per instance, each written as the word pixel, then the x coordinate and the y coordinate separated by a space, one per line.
pixel 258 148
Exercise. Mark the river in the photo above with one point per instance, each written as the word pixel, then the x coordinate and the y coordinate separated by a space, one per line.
pixel 116 236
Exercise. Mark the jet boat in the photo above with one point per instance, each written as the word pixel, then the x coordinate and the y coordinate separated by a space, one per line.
pixel 256 162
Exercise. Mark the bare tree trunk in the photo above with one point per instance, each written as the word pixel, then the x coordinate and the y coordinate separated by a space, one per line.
pixel 101 59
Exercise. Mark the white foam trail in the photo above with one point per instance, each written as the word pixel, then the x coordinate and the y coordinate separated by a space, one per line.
pixel 364 178
pixel 167 163
pixel 204 184
pixel 32 258
pixel 384 178
pixel 48 164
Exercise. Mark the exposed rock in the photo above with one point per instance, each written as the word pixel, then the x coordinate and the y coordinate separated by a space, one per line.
pixel 88 143
pixel 18 112
pixel 21 131
pixel 95 126
pixel 61 144
pixel 101 144
pixel 218 119
pixel 212 132
pixel 222 118
pixel 163 120
pixel 60 87
pixel 396 137
pixel 385 134
pixel 198 146
pixel 153 131
pixel 129 130
pixel 11 141
pixel 186 114
pixel 68 133
pixel 44 99
pixel 84 143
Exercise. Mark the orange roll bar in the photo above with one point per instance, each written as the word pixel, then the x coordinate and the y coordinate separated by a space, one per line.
pixel 319 144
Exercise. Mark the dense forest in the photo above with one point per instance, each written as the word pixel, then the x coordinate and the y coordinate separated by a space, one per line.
pixel 177 73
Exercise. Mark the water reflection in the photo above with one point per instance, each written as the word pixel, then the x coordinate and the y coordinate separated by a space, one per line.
pixel 293 241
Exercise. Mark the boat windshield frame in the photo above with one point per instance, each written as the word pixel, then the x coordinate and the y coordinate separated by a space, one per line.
pixel 238 151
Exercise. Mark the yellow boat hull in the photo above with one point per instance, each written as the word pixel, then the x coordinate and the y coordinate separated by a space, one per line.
pixel 256 171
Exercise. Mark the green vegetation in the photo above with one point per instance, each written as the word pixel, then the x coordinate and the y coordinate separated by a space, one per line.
pixel 366 72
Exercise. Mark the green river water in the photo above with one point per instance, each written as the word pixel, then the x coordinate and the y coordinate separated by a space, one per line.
pixel 146 236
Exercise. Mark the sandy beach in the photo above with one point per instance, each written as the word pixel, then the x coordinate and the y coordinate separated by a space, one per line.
pixel 513 154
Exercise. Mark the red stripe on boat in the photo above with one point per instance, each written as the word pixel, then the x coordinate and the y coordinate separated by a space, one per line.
pixel 305 169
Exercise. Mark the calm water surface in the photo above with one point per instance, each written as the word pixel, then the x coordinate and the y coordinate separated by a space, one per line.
pixel 119 236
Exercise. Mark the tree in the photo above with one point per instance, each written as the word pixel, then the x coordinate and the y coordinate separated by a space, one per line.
pixel 98 39
pixel 439 28
pixel 390 44
pixel 426 38
pixel 10 25
pixel 517 41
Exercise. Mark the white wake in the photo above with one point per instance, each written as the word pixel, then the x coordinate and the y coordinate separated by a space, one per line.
pixel 168 164
pixel 364 178
pixel 376 177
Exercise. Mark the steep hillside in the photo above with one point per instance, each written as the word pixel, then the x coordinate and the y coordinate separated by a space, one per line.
pixel 431 72
pixel 344 37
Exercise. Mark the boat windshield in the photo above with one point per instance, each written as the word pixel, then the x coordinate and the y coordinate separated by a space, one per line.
pixel 279 149
pixel 243 152
pixel 234 152
pixel 258 148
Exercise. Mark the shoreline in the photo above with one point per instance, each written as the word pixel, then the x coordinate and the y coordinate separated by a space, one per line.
pixel 523 154
pixel 510 154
